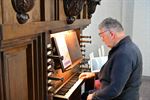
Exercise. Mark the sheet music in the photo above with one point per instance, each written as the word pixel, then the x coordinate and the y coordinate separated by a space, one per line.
pixel 97 62
pixel 63 49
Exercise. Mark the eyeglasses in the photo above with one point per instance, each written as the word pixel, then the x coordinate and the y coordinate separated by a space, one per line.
pixel 102 32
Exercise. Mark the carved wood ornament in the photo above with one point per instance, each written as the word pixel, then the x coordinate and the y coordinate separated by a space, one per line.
pixel 72 8
pixel 22 7
pixel 92 6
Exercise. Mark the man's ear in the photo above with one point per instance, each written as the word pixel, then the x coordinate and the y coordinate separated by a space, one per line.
pixel 112 35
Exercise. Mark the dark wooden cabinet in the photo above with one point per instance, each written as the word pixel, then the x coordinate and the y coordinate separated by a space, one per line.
pixel 24 35
pixel 23 68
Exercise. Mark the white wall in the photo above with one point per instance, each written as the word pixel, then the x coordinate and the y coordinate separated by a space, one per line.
pixel 127 16
pixel 134 16
pixel 141 31
pixel 108 8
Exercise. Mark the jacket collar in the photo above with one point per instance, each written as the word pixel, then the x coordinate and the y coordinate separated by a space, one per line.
pixel 121 42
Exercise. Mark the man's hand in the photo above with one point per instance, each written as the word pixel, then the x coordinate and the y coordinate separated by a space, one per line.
pixel 89 97
pixel 86 75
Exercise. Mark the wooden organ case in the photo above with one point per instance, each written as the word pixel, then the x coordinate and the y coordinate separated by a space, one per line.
pixel 26 71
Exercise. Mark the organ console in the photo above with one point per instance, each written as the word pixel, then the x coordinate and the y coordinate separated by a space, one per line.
pixel 66 92
pixel 81 45
pixel 51 49
pixel 85 41
pixel 83 50
pixel 50 63
pixel 85 37
pixel 55 78
pixel 31 68
pixel 50 71
pixel 55 57
pixel 83 55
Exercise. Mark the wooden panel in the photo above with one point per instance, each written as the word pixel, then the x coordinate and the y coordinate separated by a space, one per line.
pixel 0 11
pixel 35 12
pixel 85 13
pixel 17 30
pixel 73 46
pixel 52 13
pixel 43 67
pixel 16 74
pixel 42 10
pixel 81 14
pixel 30 70
pixel 27 59
pixel 76 94
pixel 49 10
pixel 1 82
pixel 37 68
pixel 62 15
pixel 8 13
pixel 14 43
pixel 56 9
pixel 89 84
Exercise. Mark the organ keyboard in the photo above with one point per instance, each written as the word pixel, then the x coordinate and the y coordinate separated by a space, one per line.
pixel 69 89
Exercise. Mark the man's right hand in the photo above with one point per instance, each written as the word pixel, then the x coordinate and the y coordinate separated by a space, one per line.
pixel 86 75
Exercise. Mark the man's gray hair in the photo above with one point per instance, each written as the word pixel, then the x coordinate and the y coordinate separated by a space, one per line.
pixel 111 24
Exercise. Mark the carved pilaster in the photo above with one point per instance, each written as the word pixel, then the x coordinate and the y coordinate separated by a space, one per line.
pixel 22 7
pixel 92 6
pixel 72 8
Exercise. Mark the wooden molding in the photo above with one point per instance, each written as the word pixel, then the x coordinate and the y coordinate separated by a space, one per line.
pixel 11 31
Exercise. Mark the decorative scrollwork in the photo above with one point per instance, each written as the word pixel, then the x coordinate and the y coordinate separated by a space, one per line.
pixel 22 7
pixel 72 8
pixel 92 6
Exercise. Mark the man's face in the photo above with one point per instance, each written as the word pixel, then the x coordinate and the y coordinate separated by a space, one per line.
pixel 106 37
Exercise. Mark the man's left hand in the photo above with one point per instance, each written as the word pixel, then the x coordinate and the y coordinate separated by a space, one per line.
pixel 90 96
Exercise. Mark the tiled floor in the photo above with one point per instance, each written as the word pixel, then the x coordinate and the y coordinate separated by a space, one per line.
pixel 145 89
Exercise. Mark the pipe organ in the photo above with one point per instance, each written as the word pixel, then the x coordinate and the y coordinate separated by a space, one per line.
pixel 32 66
